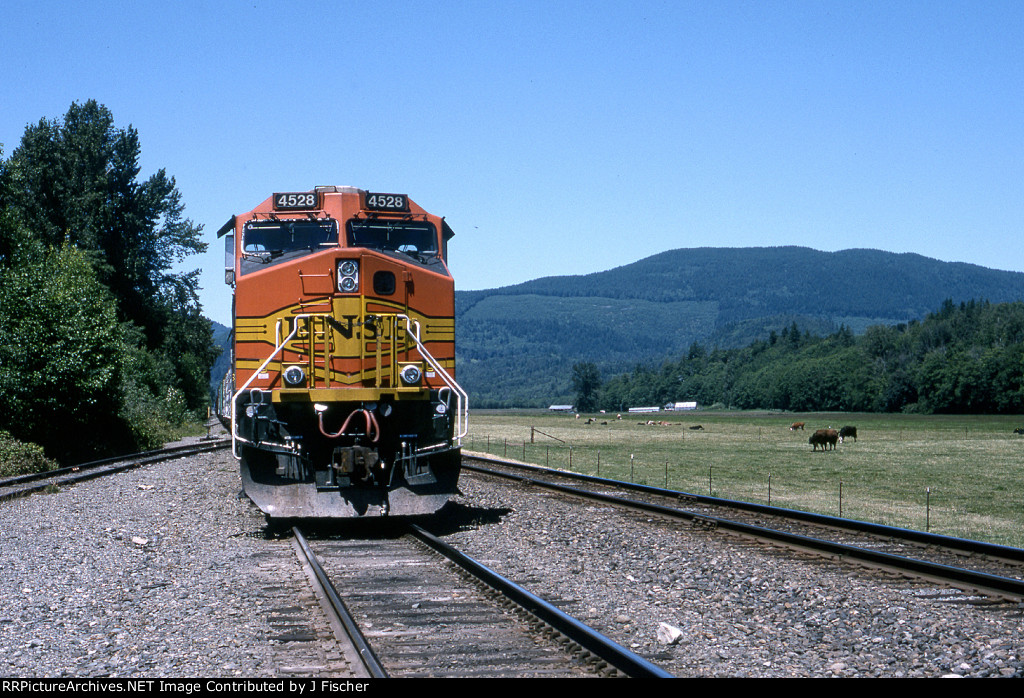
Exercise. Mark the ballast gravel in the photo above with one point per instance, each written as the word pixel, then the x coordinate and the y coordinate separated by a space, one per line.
pixel 736 609
pixel 152 572
pixel 160 572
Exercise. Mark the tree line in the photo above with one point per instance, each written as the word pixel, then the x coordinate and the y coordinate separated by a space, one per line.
pixel 961 359
pixel 103 347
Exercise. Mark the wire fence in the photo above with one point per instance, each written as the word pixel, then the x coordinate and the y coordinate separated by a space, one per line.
pixel 886 500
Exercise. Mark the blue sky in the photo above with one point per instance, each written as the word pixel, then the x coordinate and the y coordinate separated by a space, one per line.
pixel 563 137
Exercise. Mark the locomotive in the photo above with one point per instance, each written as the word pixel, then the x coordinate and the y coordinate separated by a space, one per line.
pixel 342 400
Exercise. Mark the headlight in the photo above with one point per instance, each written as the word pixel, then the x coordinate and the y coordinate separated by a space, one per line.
pixel 348 276
pixel 294 376
pixel 410 375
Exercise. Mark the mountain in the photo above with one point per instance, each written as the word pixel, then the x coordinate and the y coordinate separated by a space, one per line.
pixel 222 340
pixel 516 345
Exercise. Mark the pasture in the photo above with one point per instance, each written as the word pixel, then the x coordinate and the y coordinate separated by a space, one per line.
pixel 954 475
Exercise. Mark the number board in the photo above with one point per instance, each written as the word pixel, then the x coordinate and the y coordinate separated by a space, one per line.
pixel 295 201
pixel 387 202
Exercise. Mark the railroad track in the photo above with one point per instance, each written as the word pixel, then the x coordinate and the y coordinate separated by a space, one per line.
pixel 983 572
pixel 409 616
pixel 212 583
pixel 461 626
pixel 23 485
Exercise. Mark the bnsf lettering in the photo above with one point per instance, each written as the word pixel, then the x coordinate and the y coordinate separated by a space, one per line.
pixel 344 330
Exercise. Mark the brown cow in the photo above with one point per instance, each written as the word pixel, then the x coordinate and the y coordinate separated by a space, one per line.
pixel 824 438
pixel 796 425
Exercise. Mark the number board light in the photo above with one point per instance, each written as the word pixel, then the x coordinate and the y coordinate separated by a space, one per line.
pixel 295 201
pixel 386 202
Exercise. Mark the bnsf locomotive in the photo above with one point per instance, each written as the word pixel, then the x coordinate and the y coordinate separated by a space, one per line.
pixel 342 400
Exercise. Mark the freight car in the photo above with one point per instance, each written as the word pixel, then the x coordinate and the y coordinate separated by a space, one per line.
pixel 342 401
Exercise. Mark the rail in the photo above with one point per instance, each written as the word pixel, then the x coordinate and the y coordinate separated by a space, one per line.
pixel 370 662
pixel 967 546
pixel 594 642
pixel 22 485
pixel 1000 586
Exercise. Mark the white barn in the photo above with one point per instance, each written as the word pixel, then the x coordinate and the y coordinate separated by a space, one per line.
pixel 681 406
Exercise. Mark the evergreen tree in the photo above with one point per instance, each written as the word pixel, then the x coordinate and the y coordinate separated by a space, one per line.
pixel 966 359
pixel 586 380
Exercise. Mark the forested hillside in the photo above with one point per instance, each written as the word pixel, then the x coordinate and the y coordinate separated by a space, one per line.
pixel 961 359
pixel 102 344
pixel 516 344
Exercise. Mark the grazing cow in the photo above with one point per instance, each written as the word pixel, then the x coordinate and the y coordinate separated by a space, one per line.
pixel 847 431
pixel 697 427
pixel 824 438
pixel 796 425
pixel 1018 431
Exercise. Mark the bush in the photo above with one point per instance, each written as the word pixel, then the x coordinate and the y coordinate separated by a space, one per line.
pixel 146 417
pixel 61 355
pixel 19 458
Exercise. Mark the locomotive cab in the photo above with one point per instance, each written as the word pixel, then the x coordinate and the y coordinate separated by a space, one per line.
pixel 344 400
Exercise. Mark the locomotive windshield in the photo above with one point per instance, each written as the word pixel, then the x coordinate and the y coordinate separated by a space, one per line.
pixel 265 243
pixel 414 239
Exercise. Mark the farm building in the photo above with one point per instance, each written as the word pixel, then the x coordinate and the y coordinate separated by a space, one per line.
pixel 680 406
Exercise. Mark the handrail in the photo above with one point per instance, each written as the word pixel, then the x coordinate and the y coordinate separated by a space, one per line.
pixel 234 398
pixel 462 397
pixel 412 328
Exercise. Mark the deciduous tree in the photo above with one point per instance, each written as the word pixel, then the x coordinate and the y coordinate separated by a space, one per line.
pixel 76 181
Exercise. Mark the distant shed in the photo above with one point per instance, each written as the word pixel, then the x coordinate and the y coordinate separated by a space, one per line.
pixel 560 408
pixel 681 406
pixel 641 410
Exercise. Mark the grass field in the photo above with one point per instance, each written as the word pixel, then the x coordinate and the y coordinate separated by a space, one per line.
pixel 954 475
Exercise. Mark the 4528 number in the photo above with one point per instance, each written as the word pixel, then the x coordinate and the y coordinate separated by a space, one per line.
pixel 387 202
pixel 295 200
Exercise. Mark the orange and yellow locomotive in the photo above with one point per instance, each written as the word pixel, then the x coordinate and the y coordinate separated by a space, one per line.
pixel 344 401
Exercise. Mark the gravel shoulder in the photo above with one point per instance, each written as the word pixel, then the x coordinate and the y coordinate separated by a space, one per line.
pixel 154 572
pixel 743 610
